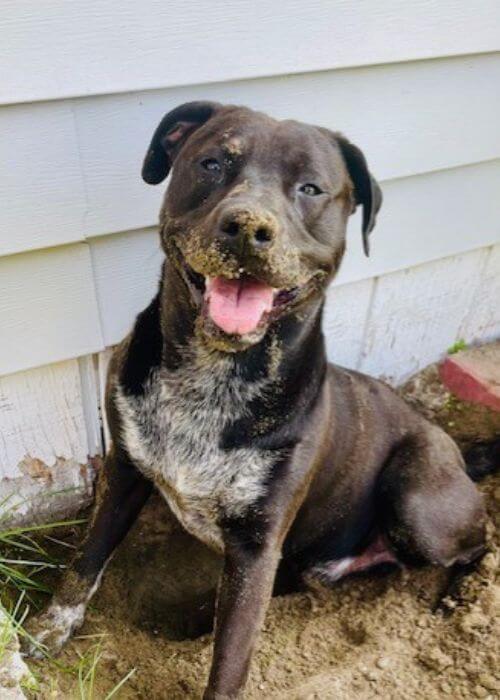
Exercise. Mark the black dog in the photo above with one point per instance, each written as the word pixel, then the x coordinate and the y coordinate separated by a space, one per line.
pixel 222 397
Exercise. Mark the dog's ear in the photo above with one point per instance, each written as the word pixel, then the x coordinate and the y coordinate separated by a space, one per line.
pixel 170 134
pixel 367 191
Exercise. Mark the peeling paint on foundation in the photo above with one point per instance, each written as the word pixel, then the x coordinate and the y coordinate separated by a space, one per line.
pixel 35 468
pixel 41 493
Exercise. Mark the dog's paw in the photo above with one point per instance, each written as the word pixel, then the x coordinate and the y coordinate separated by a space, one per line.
pixel 467 583
pixel 47 632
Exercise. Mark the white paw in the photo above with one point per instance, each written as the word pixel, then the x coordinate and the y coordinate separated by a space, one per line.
pixel 50 630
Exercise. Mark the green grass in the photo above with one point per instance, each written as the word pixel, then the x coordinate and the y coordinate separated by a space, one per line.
pixel 87 668
pixel 23 559
pixel 457 346
pixel 11 625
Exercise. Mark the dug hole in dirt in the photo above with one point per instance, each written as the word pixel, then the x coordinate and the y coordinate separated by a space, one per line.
pixel 370 637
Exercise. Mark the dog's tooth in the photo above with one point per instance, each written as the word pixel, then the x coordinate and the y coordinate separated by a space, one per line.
pixel 208 281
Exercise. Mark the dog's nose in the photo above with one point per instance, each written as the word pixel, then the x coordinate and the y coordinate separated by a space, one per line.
pixel 244 228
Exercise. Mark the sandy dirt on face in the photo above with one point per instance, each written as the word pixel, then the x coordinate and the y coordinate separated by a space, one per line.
pixel 374 636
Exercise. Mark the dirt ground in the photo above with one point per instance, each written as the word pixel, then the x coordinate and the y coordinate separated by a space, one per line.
pixel 371 637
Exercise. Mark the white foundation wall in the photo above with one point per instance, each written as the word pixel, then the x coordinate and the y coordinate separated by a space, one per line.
pixel 50 439
pixel 84 85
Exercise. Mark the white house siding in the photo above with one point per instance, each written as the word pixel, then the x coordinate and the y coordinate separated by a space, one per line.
pixel 82 86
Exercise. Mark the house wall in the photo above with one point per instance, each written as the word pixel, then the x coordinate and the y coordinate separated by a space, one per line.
pixel 84 85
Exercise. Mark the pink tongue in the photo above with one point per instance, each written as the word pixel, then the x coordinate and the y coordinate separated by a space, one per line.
pixel 236 306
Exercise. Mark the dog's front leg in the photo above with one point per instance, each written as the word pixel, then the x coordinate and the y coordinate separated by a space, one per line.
pixel 245 589
pixel 121 492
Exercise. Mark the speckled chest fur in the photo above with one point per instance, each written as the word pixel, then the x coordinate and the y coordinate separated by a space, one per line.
pixel 173 433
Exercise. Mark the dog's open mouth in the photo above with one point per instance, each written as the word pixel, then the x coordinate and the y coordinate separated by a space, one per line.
pixel 239 306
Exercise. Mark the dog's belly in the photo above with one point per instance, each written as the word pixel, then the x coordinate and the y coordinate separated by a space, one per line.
pixel 172 433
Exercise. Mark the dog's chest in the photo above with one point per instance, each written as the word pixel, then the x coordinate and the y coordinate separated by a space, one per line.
pixel 173 432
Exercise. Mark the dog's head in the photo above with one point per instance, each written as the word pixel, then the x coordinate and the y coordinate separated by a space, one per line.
pixel 255 213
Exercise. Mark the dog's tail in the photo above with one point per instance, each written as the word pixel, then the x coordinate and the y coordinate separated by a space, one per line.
pixel 482 459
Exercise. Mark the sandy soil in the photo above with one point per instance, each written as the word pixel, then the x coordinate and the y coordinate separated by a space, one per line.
pixel 370 637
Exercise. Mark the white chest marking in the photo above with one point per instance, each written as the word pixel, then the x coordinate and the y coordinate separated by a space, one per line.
pixel 173 431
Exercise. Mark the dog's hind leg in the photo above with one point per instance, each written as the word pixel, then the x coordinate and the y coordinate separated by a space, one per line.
pixel 429 508
pixel 327 573
pixel 121 492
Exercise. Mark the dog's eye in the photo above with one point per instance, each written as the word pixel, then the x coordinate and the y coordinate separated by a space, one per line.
pixel 212 165
pixel 310 189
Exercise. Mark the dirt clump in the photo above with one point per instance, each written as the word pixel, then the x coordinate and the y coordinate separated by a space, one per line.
pixel 466 422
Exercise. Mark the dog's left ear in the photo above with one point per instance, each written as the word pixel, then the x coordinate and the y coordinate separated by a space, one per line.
pixel 171 133
pixel 366 189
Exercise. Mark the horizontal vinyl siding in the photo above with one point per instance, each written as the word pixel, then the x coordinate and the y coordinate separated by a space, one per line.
pixel 41 182
pixel 71 170
pixel 84 85
pixel 424 218
pixel 48 307
pixel 427 217
pixel 67 301
pixel 127 271
pixel 55 48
